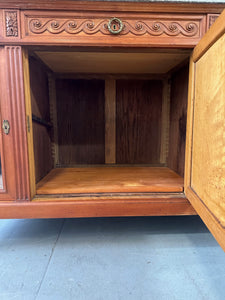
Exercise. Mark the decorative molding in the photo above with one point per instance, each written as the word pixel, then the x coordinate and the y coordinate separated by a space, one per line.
pixel 92 26
pixel 11 23
pixel 212 19
pixel 15 86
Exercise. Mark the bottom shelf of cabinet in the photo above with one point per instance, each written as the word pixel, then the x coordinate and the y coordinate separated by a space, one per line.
pixel 104 192
pixel 106 179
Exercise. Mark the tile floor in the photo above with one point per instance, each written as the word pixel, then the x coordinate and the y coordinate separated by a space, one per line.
pixel 110 258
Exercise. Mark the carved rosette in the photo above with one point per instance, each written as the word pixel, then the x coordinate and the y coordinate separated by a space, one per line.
pixel 93 26
pixel 11 23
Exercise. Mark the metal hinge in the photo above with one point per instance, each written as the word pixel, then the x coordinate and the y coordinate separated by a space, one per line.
pixel 28 123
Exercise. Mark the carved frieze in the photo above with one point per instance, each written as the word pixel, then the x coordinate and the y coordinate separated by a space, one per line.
pixel 133 27
pixel 11 23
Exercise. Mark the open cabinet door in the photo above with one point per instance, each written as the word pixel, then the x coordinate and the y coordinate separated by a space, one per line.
pixel 205 152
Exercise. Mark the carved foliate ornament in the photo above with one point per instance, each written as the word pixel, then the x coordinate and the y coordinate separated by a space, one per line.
pixel 11 23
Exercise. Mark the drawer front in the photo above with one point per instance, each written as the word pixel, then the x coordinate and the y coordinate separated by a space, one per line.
pixel 109 28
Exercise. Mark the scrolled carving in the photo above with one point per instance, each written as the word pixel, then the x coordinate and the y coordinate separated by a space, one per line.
pixel 90 27
pixel 69 26
pixel 55 25
pixel 72 25
pixel 11 23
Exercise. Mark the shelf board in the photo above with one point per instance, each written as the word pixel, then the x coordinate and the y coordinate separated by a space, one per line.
pixel 110 180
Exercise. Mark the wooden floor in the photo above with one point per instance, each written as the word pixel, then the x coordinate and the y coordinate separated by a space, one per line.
pixel 110 180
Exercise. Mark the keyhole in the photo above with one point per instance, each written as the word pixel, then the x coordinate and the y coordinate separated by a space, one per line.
pixel 114 26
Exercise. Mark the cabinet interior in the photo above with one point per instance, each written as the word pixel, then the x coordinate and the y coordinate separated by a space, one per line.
pixel 108 121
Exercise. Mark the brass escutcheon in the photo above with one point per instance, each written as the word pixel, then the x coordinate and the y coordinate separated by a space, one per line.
pixel 112 26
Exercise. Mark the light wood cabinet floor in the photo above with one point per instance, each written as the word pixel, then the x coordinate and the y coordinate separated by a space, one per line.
pixel 110 180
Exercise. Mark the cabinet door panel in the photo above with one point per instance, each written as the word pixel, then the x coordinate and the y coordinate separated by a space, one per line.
pixel 13 146
pixel 205 159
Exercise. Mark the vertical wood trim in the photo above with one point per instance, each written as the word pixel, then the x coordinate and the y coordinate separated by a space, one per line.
pixel 110 121
pixel 165 121
pixel 15 84
pixel 189 132
pixel 30 142
pixel 53 117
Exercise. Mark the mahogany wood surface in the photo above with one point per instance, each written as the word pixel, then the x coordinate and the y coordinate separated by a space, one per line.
pixel 81 121
pixel 17 28
pixel 178 119
pixel 138 122
pixel 40 108
pixel 114 6
pixel 110 180
pixel 163 205
pixel 87 28
pixel 14 156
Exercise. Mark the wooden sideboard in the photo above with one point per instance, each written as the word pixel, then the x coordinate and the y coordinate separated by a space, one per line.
pixel 112 109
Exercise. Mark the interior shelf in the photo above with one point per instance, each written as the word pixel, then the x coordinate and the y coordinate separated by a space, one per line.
pixel 110 180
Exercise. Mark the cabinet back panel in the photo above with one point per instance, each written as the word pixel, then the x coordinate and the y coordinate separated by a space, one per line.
pixel 40 108
pixel 178 119
pixel 81 121
pixel 138 121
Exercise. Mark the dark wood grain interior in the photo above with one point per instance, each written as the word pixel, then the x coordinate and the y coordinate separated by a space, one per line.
pixel 178 119
pixel 138 121
pixel 40 108
pixel 80 115
pixel 80 106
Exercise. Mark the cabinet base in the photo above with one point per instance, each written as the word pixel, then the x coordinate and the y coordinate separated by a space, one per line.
pixel 156 205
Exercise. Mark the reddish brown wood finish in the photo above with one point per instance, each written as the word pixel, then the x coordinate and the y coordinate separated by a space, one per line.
pixel 211 18
pixel 138 122
pixel 178 119
pixel 15 163
pixel 114 6
pixel 15 156
pixel 163 205
pixel 79 27
pixel 81 121
pixel 140 29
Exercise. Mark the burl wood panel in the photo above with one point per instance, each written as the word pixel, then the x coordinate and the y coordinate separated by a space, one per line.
pixel 40 108
pixel 81 121
pixel 138 122
pixel 110 180
pixel 208 145
pixel 205 151
pixel 178 119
